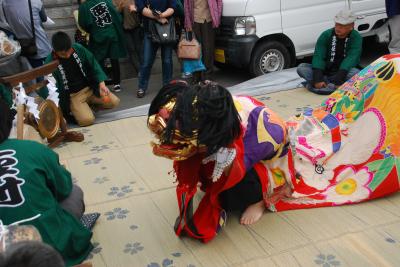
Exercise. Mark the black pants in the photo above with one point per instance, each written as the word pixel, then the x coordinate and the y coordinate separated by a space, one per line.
pixel 115 71
pixel 205 34
pixel 248 191
pixel 134 45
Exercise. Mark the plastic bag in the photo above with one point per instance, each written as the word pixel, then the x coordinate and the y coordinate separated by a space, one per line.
pixel 8 46
pixel 192 65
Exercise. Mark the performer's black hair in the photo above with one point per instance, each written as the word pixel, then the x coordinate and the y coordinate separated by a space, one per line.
pixel 6 119
pixel 31 254
pixel 208 108
pixel 61 41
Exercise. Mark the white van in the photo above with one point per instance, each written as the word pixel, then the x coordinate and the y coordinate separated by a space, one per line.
pixel 268 35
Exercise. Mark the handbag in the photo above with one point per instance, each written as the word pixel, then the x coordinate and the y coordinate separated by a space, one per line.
pixel 28 45
pixel 162 33
pixel 189 49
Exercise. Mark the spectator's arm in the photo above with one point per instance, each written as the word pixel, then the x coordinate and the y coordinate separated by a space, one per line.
pixel 42 15
pixel 148 13
pixel 353 53
pixel 167 13
pixel 321 48
pixel 170 10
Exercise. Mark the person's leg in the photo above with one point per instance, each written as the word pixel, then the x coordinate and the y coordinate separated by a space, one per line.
pixel 208 45
pixel 246 197
pixel 80 109
pixel 35 63
pixel 394 24
pixel 198 34
pixel 129 41
pixel 74 203
pixel 137 36
pixel 304 70
pixel 167 65
pixel 116 73
pixel 149 54
pixel 351 73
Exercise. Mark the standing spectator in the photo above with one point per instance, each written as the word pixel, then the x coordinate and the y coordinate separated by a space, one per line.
pixel 80 35
pixel 18 17
pixel 336 56
pixel 166 9
pixel 202 17
pixel 393 12
pixel 133 31
pixel 101 20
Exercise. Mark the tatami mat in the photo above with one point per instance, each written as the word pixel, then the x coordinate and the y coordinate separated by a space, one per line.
pixel 135 194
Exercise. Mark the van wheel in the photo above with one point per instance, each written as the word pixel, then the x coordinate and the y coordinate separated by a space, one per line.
pixel 268 57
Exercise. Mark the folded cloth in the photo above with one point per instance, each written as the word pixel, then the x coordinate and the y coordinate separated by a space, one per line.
pixel 88 220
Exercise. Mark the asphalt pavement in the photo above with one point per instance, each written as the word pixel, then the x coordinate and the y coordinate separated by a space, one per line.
pixel 227 77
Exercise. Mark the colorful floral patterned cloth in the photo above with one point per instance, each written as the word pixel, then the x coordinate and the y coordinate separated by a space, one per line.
pixel 348 149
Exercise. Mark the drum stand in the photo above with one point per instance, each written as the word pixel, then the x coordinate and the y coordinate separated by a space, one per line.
pixel 11 81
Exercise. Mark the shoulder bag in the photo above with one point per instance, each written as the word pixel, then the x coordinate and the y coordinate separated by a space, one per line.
pixel 162 33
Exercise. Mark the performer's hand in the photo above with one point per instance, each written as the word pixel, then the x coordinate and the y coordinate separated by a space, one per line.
pixel 320 85
pixel 103 89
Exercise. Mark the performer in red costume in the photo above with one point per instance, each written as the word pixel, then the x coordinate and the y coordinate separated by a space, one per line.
pixel 244 157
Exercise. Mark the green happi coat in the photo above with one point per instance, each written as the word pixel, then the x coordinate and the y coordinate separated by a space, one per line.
pixel 32 182
pixel 90 69
pixel 104 23
pixel 6 94
pixel 324 46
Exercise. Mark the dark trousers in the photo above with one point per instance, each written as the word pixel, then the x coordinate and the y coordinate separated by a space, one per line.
pixel 134 45
pixel 149 55
pixel 35 63
pixel 245 193
pixel 115 71
pixel 74 202
pixel 205 34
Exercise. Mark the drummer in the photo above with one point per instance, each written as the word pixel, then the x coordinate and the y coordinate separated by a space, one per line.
pixel 35 189
pixel 80 80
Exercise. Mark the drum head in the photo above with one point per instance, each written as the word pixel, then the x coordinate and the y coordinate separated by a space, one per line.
pixel 49 119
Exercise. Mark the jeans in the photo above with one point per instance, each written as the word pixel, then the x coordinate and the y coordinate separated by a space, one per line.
pixel 149 54
pixel 35 63
pixel 305 71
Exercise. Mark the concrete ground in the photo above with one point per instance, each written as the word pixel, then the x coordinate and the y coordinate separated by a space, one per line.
pixel 227 77
pixel 135 194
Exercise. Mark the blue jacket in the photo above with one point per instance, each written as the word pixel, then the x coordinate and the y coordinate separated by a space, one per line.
pixel 392 8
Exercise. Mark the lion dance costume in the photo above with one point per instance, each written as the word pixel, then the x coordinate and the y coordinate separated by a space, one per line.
pixel 345 151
